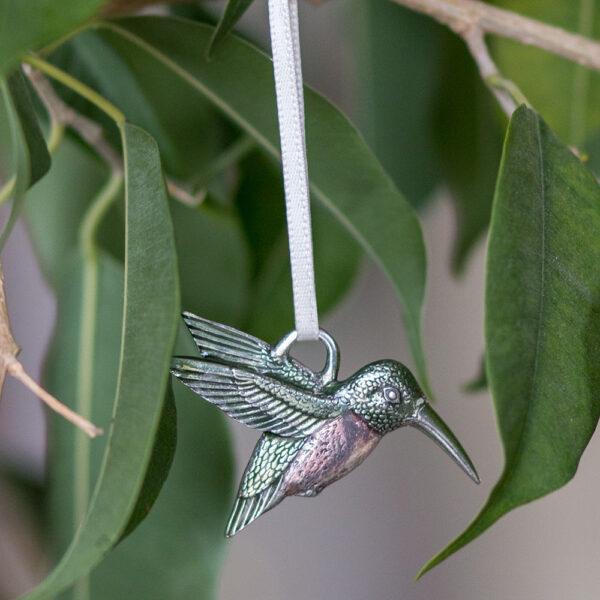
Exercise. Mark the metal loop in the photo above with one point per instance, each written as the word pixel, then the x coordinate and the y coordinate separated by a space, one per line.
pixel 332 362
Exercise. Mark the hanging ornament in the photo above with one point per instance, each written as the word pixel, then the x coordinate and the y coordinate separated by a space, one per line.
pixel 316 429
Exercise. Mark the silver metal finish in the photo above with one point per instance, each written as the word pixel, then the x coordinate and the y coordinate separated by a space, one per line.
pixel 316 428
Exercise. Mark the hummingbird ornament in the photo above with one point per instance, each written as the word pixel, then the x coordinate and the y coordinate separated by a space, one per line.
pixel 316 429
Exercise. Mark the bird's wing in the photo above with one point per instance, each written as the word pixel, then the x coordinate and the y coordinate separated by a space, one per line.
pixel 226 344
pixel 260 489
pixel 255 400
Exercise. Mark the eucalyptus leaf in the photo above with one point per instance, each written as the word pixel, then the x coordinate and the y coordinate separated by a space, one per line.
pixel 149 324
pixel 479 383
pixel 159 466
pixel 345 176
pixel 55 207
pixel 30 24
pixel 190 513
pixel 261 204
pixel 234 11
pixel 213 262
pixel 178 550
pixel 74 461
pixel 27 147
pixel 398 53
pixel 542 318
pixel 20 158
pixel 39 157
pixel 469 144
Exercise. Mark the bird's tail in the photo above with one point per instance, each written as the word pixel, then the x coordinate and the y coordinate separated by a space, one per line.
pixel 246 510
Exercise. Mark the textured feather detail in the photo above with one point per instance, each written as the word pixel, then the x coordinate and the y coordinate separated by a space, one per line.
pixel 225 344
pixel 271 457
pixel 255 400
pixel 246 510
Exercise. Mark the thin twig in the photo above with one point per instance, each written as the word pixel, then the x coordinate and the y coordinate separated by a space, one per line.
pixel 474 38
pixel 464 15
pixel 91 133
pixel 10 364
pixel 15 368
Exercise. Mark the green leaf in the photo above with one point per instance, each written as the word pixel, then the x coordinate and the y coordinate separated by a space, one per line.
pixel 87 332
pixel 181 544
pixel 542 317
pixel 345 176
pixel 261 204
pixel 30 24
pixel 469 143
pixel 398 53
pixel 55 207
pixel 39 158
pixel 567 95
pixel 27 148
pixel 479 383
pixel 213 262
pixel 159 466
pixel 188 130
pixel 233 12
pixel 149 324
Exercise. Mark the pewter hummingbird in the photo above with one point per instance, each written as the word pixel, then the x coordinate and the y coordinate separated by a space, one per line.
pixel 316 428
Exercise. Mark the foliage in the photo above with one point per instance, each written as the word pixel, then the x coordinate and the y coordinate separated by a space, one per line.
pixel 180 100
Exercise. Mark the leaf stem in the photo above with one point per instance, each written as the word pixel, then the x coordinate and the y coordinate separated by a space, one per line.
pixel 95 213
pixel 7 189
pixel 77 86
pixel 15 368
pixel 510 87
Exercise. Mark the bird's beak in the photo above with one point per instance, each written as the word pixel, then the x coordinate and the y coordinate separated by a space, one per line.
pixel 430 423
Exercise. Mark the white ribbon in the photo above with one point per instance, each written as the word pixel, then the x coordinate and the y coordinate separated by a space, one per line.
pixel 285 44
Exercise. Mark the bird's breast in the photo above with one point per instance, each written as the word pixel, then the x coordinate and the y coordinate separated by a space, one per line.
pixel 331 452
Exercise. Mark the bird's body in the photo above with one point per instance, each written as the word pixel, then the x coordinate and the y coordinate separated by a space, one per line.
pixel 332 451
pixel 317 429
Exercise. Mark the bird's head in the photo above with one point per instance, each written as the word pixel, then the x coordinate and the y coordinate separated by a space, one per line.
pixel 387 396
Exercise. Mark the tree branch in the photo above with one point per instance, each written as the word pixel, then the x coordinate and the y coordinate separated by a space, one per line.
pixel 462 16
pixel 92 133
pixel 10 364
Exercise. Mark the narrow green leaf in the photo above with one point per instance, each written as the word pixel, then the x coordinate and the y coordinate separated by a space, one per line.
pixel 233 12
pixel 398 56
pixel 39 158
pixel 88 331
pixel 27 149
pixel 542 318
pixel 178 550
pixel 191 512
pixel 55 207
pixel 479 382
pixel 469 135
pixel 189 131
pixel 30 24
pixel 262 207
pixel 213 262
pixel 20 158
pixel 345 176
pixel 159 466
pixel 149 323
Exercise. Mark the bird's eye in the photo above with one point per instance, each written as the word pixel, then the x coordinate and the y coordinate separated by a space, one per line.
pixel 391 394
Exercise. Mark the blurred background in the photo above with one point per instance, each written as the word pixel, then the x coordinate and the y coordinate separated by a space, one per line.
pixel 367 536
